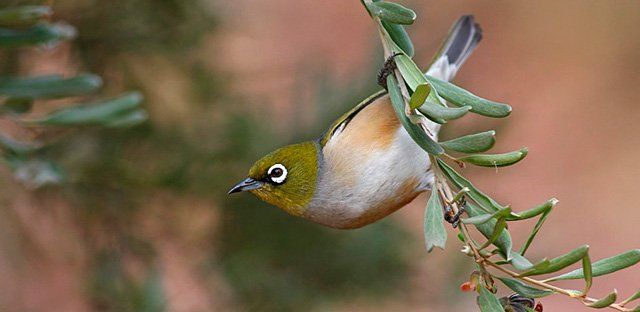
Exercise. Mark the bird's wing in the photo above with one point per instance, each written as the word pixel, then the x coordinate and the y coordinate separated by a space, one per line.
pixel 339 125
pixel 463 37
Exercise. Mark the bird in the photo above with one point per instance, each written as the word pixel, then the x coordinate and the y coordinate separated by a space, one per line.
pixel 365 166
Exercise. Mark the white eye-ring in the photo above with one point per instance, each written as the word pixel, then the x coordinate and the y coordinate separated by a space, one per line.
pixel 277 173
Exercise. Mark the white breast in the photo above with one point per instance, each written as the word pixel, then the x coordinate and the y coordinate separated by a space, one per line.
pixel 364 175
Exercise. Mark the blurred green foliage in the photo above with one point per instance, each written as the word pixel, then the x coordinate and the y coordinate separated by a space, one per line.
pixel 273 262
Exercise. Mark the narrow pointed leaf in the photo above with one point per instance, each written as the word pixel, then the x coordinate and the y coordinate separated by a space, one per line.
pixel 473 143
pixel 524 289
pixel 410 71
pixel 435 235
pixel 520 262
pixel 480 219
pixel 605 266
pixel 503 242
pixel 498 229
pixel 631 298
pixel 461 97
pixel 39 34
pixel 560 262
pixel 530 213
pixel 496 160
pixel 16 105
pixel 485 202
pixel 419 96
pixel 129 119
pixel 534 232
pixel 587 271
pixel 416 133
pixel 399 35
pixel 392 12
pixel 604 302
pixel 23 16
pixel 488 301
pixel 52 86
pixel 99 113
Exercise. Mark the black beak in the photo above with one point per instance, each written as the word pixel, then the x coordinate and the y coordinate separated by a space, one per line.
pixel 246 185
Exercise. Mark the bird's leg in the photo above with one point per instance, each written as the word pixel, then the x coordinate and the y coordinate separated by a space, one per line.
pixel 454 218
pixel 386 70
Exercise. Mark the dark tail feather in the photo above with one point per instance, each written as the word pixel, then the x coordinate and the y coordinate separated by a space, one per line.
pixel 463 38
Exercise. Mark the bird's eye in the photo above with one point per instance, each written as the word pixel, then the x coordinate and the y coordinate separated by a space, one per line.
pixel 277 173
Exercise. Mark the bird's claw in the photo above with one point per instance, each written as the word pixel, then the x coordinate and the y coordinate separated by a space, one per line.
pixel 454 218
pixel 386 70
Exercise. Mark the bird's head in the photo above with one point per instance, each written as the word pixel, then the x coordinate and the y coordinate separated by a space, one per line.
pixel 285 178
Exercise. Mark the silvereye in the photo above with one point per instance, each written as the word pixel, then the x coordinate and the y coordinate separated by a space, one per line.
pixel 365 166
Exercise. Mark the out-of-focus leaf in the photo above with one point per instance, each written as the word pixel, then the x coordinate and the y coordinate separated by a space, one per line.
pixel 18 147
pixel 473 143
pixel 416 133
pixel 605 266
pixel 35 173
pixel 16 105
pixel 524 289
pixel 419 96
pixel 488 301
pixel 560 262
pixel 503 242
pixel 530 213
pixel 400 37
pixel 435 235
pixel 52 86
pixel 604 302
pixel 23 16
pixel 129 119
pixel 410 71
pixel 496 160
pixel 392 12
pixel 42 33
pixel 100 113
pixel 485 202
pixel 461 97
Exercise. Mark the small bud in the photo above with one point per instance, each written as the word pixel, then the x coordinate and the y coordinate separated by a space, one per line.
pixel 538 307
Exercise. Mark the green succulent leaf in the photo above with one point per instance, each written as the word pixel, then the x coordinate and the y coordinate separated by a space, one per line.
pixel 473 143
pixel 99 113
pixel 605 266
pixel 416 133
pixel 16 105
pixel 560 262
pixel 488 301
pixel 524 289
pixel 520 262
pixel 496 160
pixel 399 36
pixel 419 95
pixel 604 302
pixel 435 235
pixel 51 86
pixel 392 12
pixel 461 97
pixel 23 16
pixel 485 202
pixel 437 112
pixel 530 213
pixel 42 33
pixel 410 71
pixel 503 242
pixel 498 229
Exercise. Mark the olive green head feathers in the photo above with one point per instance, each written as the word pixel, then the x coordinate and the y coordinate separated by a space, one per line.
pixel 285 178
